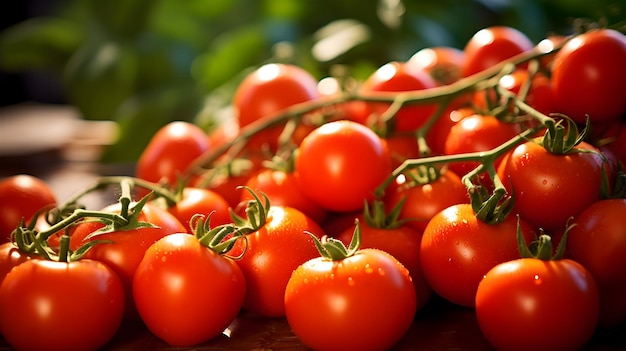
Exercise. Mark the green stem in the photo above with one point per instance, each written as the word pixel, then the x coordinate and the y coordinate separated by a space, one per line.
pixel 79 214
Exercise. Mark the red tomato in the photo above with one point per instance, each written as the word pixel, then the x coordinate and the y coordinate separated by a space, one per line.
pixel 443 63
pixel 185 292
pixel 394 77
pixel 268 90
pixel 128 246
pixel 11 256
pixel 530 304
pixel 615 142
pixel 549 188
pixel 423 201
pixel 490 46
pixel 170 152
pixel 272 252
pixel 49 305
pixel 282 189
pixel 595 61
pixel 340 164
pixel 598 242
pixel 21 196
pixel 437 135
pixel 363 302
pixel 201 201
pixel 457 250
pixel 401 148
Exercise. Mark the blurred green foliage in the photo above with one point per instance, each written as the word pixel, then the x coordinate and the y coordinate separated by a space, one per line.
pixel 144 63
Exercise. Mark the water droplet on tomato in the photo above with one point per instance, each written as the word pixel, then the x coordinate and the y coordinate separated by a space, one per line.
pixel 368 268
pixel 537 279
pixel 381 271
pixel 163 258
pixel 305 280
pixel 350 281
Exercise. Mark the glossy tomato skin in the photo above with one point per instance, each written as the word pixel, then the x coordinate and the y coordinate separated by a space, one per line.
pixel 598 242
pixel 457 249
pixel 442 63
pixel 21 196
pixel 11 256
pixel 549 188
pixel 170 152
pixel 395 77
pixel 128 247
pixel 363 302
pixel 201 201
pixel 271 254
pixel 492 45
pixel 186 293
pixel 340 164
pixel 87 286
pixel 593 60
pixel 530 304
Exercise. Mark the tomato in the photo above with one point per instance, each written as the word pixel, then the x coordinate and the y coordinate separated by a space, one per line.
pixel 340 164
pixel 423 201
pixel 128 246
pixel 598 242
pixel 363 302
pixel 11 256
pixel 170 152
pixel 185 292
pixel 457 249
pixel 401 148
pixel 272 251
pixel 268 90
pixel 492 45
pixel 282 189
pixel 21 196
pixel 395 77
pixel 615 142
pixel 443 63
pixel 531 304
pixel 550 188
pixel 588 76
pixel 201 201
pixel 50 305
pixel 437 135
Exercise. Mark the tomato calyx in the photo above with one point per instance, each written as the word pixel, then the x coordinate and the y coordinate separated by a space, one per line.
pixel 334 249
pixel 256 212
pixel 220 239
pixel 375 215
pixel 542 247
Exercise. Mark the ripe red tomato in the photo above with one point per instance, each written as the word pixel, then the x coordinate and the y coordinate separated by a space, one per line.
pixel 588 76
pixel 394 77
pixel 201 201
pixel 272 252
pixel 185 292
pixel 550 188
pixel 340 164
pixel 128 246
pixel 598 242
pixel 443 63
pixel 49 305
pixel 531 304
pixel 363 302
pixel 457 250
pixel 170 152
pixel 614 142
pixel 11 256
pixel 490 46
pixel 21 196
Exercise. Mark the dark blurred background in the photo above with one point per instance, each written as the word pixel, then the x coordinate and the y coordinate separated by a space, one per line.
pixel 143 63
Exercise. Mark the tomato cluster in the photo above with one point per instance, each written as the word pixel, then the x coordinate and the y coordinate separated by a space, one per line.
pixel 490 177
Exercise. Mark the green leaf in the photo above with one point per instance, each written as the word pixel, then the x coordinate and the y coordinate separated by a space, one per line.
pixel 122 18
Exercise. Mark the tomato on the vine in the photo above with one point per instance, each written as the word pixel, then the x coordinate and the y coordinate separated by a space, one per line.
pixel 21 197
pixel 200 201
pixel 443 63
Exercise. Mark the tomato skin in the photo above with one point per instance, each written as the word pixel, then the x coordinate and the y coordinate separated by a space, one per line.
pixel 128 247
pixel 340 164
pixel 594 60
pixel 206 298
pixel 457 244
pixel 549 188
pixel 170 152
pixel 598 242
pixel 201 201
pixel 271 254
pixel 21 196
pixel 530 304
pixel 492 45
pixel 11 256
pixel 363 302
pixel 87 286
pixel 442 63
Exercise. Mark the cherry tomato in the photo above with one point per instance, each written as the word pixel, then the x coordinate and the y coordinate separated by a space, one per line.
pixel 49 305
pixel 21 196
pixel 597 241
pixel 128 246
pixel 340 164
pixel 201 201
pixel 394 77
pixel 531 304
pixel 363 302
pixel 492 45
pixel 588 76
pixel 443 63
pixel 11 256
pixel 457 250
pixel 185 292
